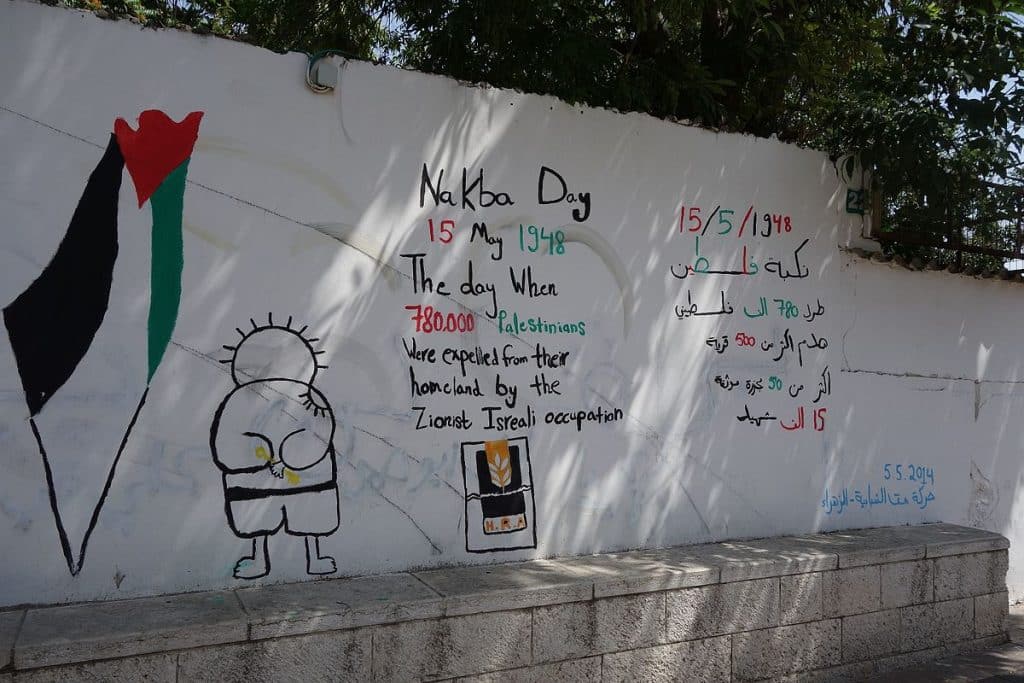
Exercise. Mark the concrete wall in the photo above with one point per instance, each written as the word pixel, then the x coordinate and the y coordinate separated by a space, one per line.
pixel 847 606
pixel 150 436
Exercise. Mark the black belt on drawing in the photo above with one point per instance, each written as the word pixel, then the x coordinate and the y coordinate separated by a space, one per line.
pixel 233 493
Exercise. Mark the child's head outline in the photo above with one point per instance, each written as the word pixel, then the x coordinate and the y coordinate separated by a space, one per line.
pixel 271 351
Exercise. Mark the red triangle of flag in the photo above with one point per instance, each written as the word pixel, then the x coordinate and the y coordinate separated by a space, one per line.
pixel 158 147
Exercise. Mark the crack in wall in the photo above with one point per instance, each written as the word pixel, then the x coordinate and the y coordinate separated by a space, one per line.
pixel 842 346
pixel 918 375
pixel 979 402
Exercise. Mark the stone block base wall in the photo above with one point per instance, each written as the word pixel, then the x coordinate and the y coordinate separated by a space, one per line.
pixel 842 606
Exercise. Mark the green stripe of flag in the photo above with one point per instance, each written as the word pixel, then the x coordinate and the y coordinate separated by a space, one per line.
pixel 168 258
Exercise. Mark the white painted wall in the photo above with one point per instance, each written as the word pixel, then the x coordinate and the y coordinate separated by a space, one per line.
pixel 301 205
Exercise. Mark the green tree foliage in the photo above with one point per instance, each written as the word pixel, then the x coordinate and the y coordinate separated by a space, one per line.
pixel 926 96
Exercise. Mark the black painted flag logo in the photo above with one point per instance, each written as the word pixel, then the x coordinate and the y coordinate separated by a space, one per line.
pixel 500 509
pixel 52 323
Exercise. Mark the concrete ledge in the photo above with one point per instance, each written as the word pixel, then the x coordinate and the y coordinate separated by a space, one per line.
pixel 786 608
pixel 301 608
pixel 104 630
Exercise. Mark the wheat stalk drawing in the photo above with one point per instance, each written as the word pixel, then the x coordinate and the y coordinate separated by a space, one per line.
pixel 499 463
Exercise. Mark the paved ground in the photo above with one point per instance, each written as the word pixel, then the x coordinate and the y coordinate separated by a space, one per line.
pixel 1001 664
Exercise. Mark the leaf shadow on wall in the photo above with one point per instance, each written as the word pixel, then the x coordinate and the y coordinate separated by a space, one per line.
pixel 680 467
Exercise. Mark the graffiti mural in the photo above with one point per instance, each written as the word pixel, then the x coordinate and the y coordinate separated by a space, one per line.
pixel 552 330
pixel 500 511
pixel 52 323
pixel 273 439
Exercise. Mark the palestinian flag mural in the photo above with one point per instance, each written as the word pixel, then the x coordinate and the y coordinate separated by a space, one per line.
pixel 52 323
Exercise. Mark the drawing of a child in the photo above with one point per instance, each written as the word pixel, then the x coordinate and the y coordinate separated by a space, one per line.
pixel 272 438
